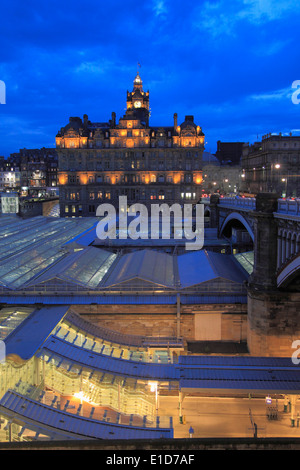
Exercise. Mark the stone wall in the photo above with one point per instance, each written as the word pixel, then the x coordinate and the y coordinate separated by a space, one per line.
pixel 273 322
pixel 154 320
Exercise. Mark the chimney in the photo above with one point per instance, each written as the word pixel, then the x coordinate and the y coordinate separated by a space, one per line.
pixel 175 121
pixel 113 119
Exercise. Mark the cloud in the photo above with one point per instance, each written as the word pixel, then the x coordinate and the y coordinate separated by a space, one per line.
pixel 222 17
pixel 159 8
pixel 262 11
pixel 271 48
pixel 93 67
pixel 282 94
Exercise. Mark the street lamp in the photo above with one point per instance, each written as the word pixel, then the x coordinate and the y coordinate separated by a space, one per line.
pixel 276 166
pixel 284 180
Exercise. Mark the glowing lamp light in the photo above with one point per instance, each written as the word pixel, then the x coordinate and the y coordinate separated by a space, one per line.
pixel 277 165
pixel 83 179
pixel 153 386
pixel 62 179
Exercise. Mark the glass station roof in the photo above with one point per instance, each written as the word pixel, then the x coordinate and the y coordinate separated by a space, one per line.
pixel 41 249
pixel 86 266
pixel 11 318
pixel 28 247
pixel 246 260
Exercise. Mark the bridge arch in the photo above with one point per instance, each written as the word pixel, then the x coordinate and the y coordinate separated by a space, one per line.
pixel 289 276
pixel 207 211
pixel 236 217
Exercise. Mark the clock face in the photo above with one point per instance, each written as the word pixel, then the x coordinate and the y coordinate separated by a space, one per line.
pixel 137 104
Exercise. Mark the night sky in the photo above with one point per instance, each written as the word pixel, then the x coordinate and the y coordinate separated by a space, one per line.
pixel 231 64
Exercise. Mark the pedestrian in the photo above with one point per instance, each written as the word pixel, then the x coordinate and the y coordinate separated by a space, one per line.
pixel 191 431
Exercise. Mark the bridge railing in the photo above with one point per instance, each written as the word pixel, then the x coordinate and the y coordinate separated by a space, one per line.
pixel 234 201
pixel 289 206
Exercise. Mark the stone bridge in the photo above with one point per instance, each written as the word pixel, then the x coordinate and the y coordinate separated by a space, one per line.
pixel 273 226
pixel 239 213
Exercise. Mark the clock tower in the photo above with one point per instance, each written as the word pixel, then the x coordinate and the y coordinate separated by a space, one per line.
pixel 138 102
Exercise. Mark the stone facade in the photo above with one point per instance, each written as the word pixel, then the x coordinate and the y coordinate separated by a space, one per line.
pixel 272 165
pixel 265 246
pixel 98 162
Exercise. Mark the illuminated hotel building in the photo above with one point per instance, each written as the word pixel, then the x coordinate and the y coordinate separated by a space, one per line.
pixel 98 162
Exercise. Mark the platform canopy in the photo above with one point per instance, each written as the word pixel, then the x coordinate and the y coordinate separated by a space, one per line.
pixel 30 334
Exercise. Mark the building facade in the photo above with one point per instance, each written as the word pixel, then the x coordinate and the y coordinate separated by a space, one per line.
pixel 272 165
pixel 222 178
pixel 10 176
pixel 38 171
pixel 98 162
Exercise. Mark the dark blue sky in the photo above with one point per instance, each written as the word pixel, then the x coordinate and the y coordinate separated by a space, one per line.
pixel 229 63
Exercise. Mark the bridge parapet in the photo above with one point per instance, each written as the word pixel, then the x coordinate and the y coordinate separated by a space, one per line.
pixel 289 207
pixel 241 203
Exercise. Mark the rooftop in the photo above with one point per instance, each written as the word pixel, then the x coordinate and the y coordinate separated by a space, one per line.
pixel 55 256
